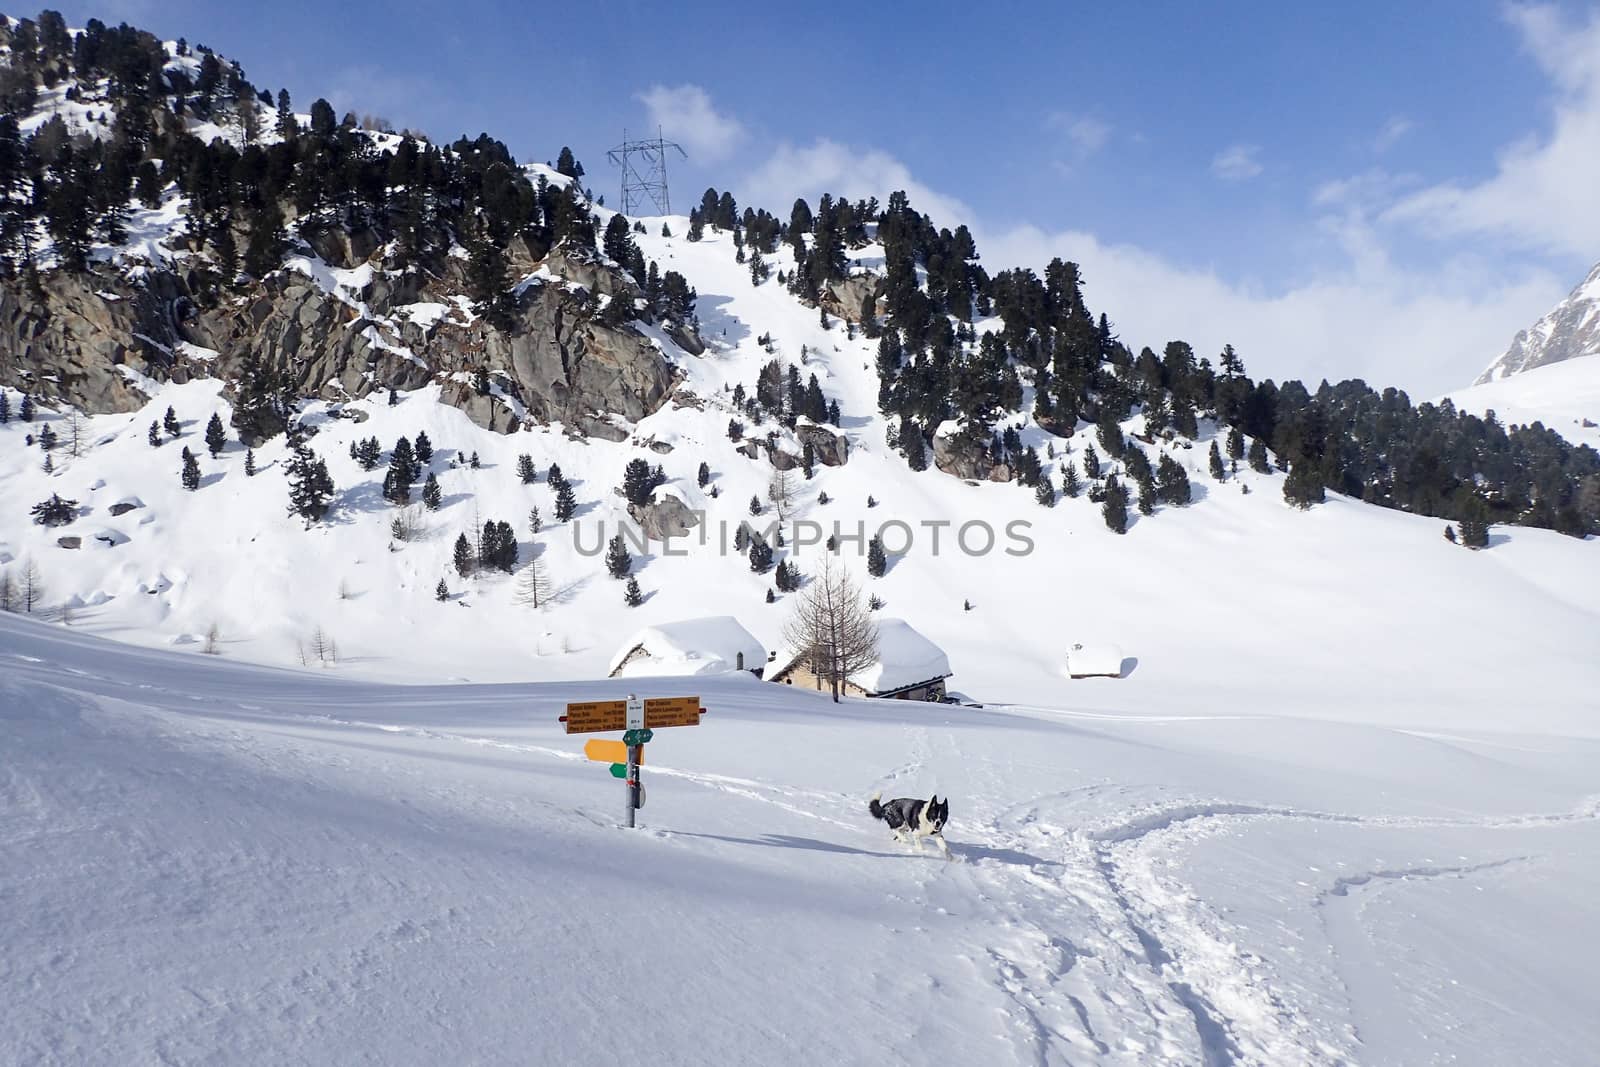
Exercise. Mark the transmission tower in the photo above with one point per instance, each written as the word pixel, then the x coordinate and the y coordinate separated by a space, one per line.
pixel 644 172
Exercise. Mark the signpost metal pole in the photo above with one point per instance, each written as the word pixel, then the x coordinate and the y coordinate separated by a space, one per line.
pixel 635 722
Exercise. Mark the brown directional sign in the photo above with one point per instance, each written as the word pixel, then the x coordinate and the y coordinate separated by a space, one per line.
pixel 671 711
pixel 596 716
pixel 601 716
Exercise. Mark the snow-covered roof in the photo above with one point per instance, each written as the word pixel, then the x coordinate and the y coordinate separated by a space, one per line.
pixel 1094 659
pixel 710 645
pixel 905 657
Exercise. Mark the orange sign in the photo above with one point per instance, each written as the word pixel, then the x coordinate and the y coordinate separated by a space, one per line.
pixel 596 716
pixel 671 711
pixel 600 716
pixel 603 751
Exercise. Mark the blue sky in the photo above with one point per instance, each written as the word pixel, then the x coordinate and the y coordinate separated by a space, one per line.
pixel 1381 190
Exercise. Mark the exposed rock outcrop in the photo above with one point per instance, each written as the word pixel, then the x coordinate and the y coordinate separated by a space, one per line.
pixel 831 449
pixel 664 518
pixel 95 336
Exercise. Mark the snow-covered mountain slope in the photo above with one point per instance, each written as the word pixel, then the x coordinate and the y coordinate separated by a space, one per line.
pixel 1571 329
pixel 1312 611
pixel 1564 396
pixel 202 860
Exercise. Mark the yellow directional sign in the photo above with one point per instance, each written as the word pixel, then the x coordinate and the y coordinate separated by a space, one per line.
pixel 602 716
pixel 596 716
pixel 671 711
pixel 602 751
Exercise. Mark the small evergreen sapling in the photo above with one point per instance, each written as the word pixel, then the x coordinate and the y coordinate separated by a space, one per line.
pixel 216 436
pixel 566 502
pixel 25 409
pixel 441 592
pixel 618 561
pixel 877 559
pixel 191 471
pixel 431 497
pixel 154 436
pixel 462 557
pixel 170 423
pixel 526 470
pixel 631 595
pixel 249 463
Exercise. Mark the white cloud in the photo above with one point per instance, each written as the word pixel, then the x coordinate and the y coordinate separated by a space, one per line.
pixel 685 113
pixel 1542 195
pixel 1425 331
pixel 827 166
pixel 1237 163
pixel 1082 136
pixel 1393 130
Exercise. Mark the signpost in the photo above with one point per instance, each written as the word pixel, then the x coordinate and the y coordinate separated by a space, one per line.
pixel 639 719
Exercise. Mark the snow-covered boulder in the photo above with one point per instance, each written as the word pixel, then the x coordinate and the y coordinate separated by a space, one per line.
pixel 714 645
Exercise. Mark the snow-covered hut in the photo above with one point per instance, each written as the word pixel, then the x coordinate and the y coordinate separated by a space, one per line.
pixel 717 644
pixel 908 667
pixel 1094 661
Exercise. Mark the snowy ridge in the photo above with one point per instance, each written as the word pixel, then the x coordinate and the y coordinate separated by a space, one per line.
pixel 1568 331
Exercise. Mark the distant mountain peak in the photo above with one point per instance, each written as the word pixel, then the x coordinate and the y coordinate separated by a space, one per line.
pixel 1569 330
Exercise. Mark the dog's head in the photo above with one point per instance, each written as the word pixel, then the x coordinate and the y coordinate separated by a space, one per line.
pixel 937 812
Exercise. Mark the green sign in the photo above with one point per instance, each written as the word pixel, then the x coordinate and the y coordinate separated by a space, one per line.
pixel 638 737
pixel 619 770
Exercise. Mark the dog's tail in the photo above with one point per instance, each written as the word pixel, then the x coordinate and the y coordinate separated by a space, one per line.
pixel 874 807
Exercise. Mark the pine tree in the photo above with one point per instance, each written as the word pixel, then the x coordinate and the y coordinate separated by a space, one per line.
pixel 618 561
pixel 1045 494
pixel 566 502
pixel 1258 457
pixel 431 496
pixel 704 475
pixel 631 595
pixel 463 556
pixel 1115 506
pixel 1091 462
pixel 154 436
pixel 755 505
pixel 1450 533
pixel 441 592
pixel 877 560
pixel 567 163
pixel 394 396
pixel 1218 471
pixel 216 436
pixel 760 556
pixel 310 486
pixel 423 449
pixel 638 483
pixel 535 521
pixel 772 597
pixel 1173 481
pixel 170 423
pixel 1070 485
pixel 402 471
pixel 1474 523
pixel 1235 443
pixel 526 470
pixel 55 511
pixel 191 471
pixel 5 407
pixel 1302 487
pixel 249 463
pixel 555 477
pixel 1146 496
pixel 25 409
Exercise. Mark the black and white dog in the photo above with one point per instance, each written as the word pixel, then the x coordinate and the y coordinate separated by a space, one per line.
pixel 914 820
